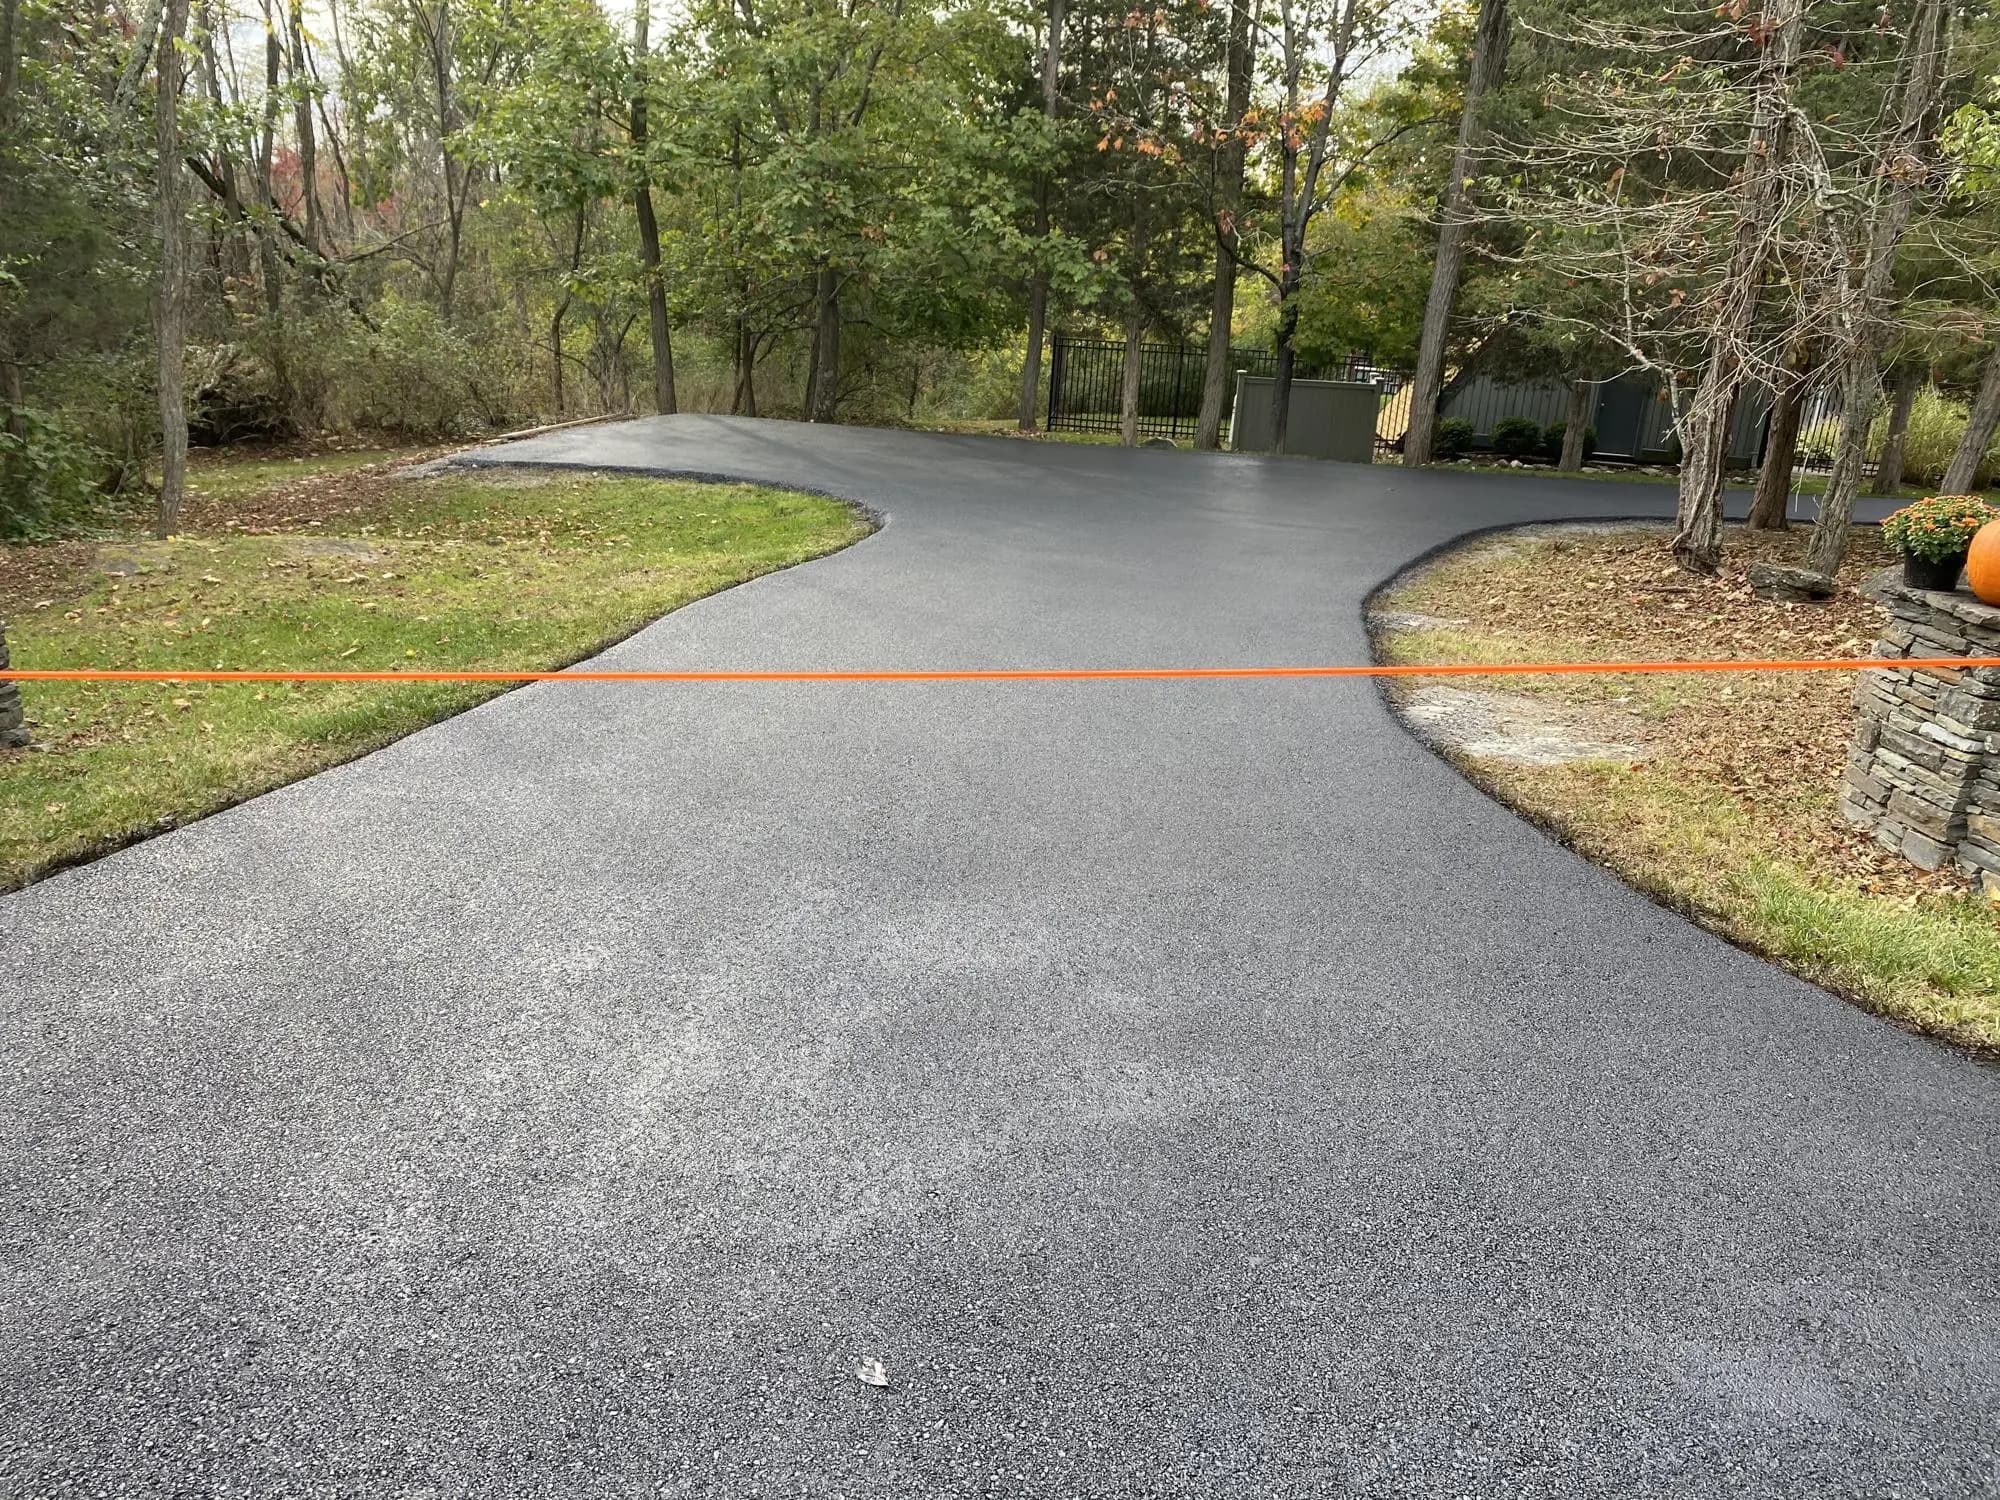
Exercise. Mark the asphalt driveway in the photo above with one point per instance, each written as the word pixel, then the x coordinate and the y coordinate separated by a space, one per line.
pixel 1184 1088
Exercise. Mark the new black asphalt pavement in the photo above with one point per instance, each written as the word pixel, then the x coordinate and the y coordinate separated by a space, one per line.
pixel 1182 1088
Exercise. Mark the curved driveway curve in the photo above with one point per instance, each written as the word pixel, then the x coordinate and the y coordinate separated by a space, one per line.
pixel 1185 1088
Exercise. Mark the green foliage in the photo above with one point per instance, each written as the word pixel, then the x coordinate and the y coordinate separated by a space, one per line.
pixel 1453 438
pixel 50 473
pixel 1369 278
pixel 1937 527
pixel 1516 437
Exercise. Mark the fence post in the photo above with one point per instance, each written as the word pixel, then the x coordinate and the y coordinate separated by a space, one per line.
pixel 1056 350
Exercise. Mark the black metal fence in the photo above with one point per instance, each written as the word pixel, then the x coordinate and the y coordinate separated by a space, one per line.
pixel 1087 384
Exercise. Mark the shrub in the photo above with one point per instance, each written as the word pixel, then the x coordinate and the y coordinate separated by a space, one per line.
pixel 1552 440
pixel 1452 438
pixel 1936 424
pixel 1516 437
pixel 418 376
pixel 1937 527
pixel 50 473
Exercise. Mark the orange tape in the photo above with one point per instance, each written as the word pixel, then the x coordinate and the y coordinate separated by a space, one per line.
pixel 1023 674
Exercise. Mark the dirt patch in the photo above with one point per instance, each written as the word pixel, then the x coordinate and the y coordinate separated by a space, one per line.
pixel 1484 725
pixel 32 572
pixel 311 499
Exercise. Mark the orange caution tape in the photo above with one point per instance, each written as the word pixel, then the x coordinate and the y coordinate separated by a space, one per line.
pixel 1023 674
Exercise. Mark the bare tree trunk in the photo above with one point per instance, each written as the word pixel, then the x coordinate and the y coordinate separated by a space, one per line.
pixel 1769 507
pixel 1129 387
pixel 303 123
pixel 747 389
pixel 170 307
pixel 1895 441
pixel 1216 374
pixel 13 717
pixel 267 234
pixel 825 394
pixel 1489 62
pixel 1576 426
pixel 649 226
pixel 1286 362
pixel 1981 423
pixel 1896 189
pixel 1038 287
pixel 1705 427
pixel 10 54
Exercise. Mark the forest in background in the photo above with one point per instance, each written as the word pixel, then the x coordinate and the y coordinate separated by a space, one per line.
pixel 436 218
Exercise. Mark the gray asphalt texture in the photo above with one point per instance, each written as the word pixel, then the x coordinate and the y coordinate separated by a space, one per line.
pixel 1184 1088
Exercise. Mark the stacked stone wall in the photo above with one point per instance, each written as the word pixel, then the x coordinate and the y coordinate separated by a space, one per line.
pixel 1923 772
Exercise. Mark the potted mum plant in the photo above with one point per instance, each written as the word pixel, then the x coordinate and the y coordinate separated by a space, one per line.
pixel 1934 534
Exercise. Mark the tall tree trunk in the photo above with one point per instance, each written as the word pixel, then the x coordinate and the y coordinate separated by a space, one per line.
pixel 1770 506
pixel 437 29
pixel 170 307
pixel 1038 286
pixel 1576 426
pixel 649 227
pixel 303 123
pixel 1895 201
pixel 268 260
pixel 1705 426
pixel 10 55
pixel 1895 441
pixel 1285 363
pixel 556 320
pixel 13 718
pixel 1130 385
pixel 1981 424
pixel 1216 374
pixel 824 398
pixel 1489 62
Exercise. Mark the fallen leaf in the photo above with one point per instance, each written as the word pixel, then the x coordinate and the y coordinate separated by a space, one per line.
pixel 872 1372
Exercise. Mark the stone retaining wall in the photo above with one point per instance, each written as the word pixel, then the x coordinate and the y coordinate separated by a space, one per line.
pixel 1923 774
pixel 13 724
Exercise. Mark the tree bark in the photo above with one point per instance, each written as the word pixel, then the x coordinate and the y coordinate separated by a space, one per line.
pixel 1895 441
pixel 1038 286
pixel 1894 204
pixel 170 306
pixel 303 123
pixel 825 393
pixel 649 226
pixel 1576 426
pixel 1281 383
pixel 1770 506
pixel 1129 386
pixel 10 54
pixel 1981 423
pixel 1216 374
pixel 1489 62
pixel 1705 428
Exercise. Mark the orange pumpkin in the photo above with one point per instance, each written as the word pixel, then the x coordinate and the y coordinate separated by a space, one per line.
pixel 1982 563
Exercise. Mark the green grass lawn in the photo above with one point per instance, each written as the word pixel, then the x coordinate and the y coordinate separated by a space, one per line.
pixel 485 571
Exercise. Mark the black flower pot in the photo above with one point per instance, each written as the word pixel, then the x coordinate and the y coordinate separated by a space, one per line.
pixel 1923 573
